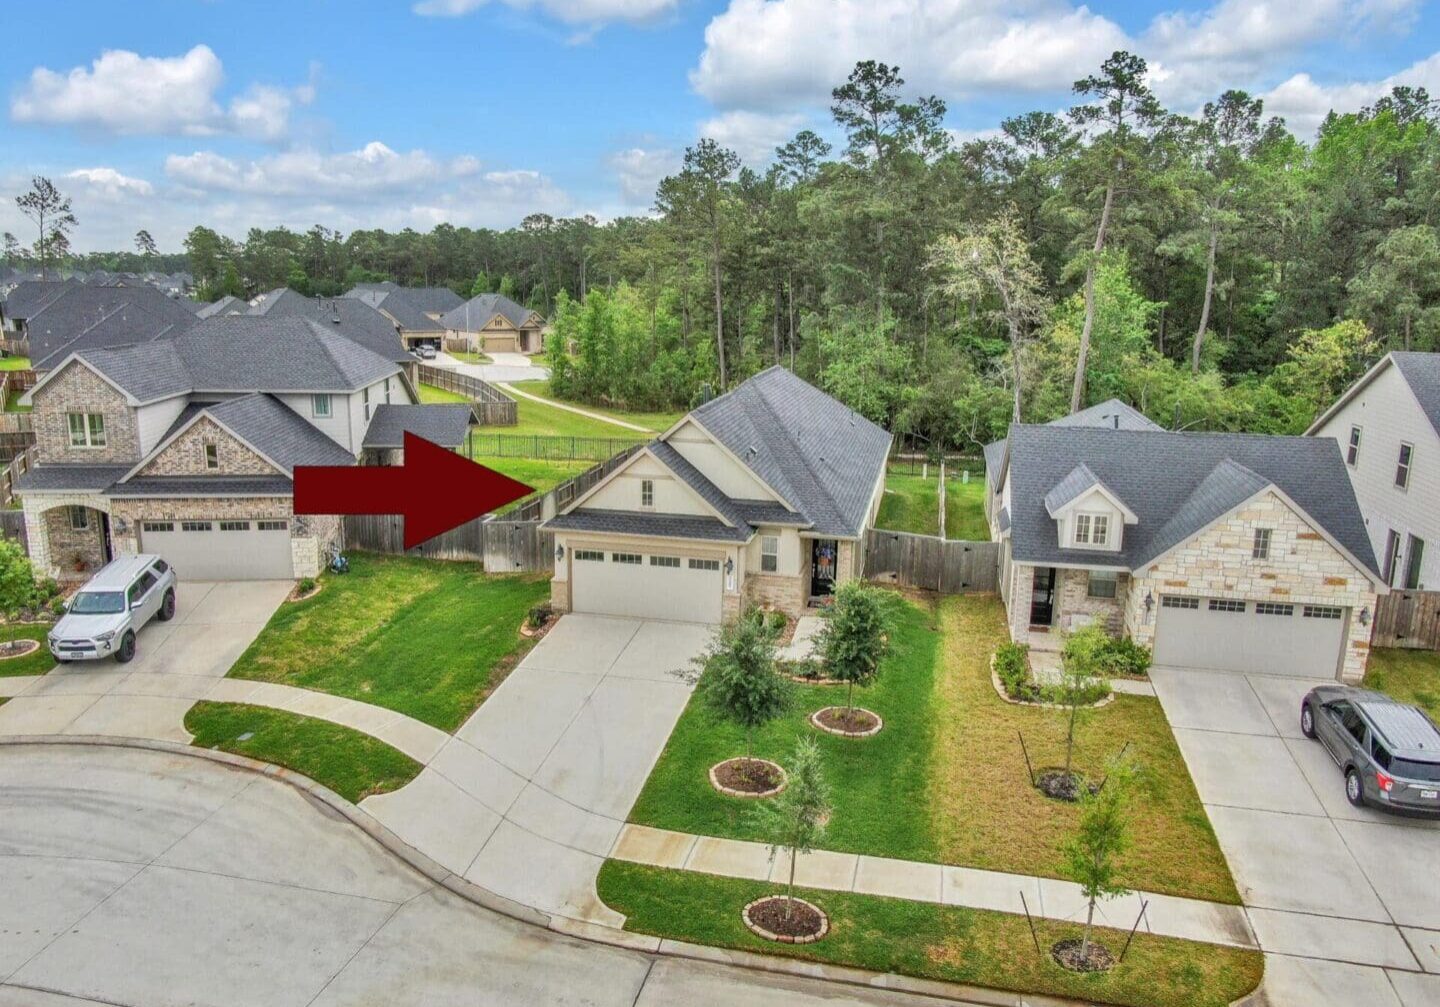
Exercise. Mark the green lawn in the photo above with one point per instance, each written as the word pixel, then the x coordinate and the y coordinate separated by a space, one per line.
pixel 469 357
pixel 543 474
pixel 879 785
pixel 965 510
pixel 351 763
pixel 14 363
pixel 1412 676
pixel 35 663
pixel 428 638
pixel 657 422
pixel 431 394
pixel 13 404
pixel 947 943
pixel 910 503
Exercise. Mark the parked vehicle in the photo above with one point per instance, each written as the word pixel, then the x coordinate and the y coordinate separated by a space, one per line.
pixel 1389 751
pixel 425 351
pixel 106 615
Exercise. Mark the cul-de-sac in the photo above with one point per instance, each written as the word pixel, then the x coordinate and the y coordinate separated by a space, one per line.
pixel 729 502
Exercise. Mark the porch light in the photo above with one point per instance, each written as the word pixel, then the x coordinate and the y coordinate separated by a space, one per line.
pixel 729 566
pixel 1365 615
pixel 559 552
pixel 1149 601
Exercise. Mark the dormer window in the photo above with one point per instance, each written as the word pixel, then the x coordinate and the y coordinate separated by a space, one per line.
pixel 1092 529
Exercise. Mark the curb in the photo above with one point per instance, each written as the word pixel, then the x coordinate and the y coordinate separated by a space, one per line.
pixel 845 975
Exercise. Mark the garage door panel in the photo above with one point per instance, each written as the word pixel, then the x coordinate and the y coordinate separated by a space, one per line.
pixel 212 549
pixel 1265 638
pixel 658 586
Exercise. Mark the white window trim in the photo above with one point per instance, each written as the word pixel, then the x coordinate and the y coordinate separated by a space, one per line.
pixel 315 410
pixel 647 494
pixel 87 431
pixel 1075 536
pixel 1407 465
pixel 1100 529
pixel 1265 535
pixel 1352 449
pixel 770 550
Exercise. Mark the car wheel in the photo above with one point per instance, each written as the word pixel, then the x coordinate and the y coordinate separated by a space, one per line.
pixel 167 607
pixel 126 653
pixel 1354 792
pixel 1307 721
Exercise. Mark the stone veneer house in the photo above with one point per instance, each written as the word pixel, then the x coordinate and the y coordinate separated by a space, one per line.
pixel 1226 552
pixel 761 496
pixel 187 447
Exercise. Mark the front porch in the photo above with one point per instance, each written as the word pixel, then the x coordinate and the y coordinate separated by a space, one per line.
pixel 69 537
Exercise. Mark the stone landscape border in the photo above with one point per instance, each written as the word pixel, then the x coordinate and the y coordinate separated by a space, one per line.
pixel 329 801
pixel 816 723
pixel 750 794
pixel 23 652
pixel 760 931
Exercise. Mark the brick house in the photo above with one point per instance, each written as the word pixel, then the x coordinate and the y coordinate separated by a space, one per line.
pixel 1226 552
pixel 761 496
pixel 187 447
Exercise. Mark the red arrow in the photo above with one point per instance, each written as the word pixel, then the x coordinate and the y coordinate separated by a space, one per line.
pixel 435 489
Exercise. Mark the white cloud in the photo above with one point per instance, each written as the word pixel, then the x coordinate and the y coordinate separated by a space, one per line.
pixel 372 168
pixel 126 93
pixel 640 171
pixel 569 11
pixel 109 183
pixel 752 135
pixel 1304 102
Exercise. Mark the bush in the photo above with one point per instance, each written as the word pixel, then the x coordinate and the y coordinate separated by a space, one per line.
pixel 17 577
pixel 1123 656
pixel 1101 655
pixel 57 606
pixel 538 616
pixel 1012 667
pixel 305 586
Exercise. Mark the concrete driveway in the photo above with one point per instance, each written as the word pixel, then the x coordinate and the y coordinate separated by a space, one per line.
pixel 152 880
pixel 213 625
pixel 502 368
pixel 529 796
pixel 1344 900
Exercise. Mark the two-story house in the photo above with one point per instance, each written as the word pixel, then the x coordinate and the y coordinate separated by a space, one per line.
pixel 761 496
pixel 1388 428
pixel 1225 552
pixel 187 447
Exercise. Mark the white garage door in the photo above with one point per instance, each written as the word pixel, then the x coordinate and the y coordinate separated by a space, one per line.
pixel 222 550
pixel 1264 638
pixel 645 585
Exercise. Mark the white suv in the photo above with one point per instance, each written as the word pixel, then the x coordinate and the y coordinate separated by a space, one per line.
pixel 104 616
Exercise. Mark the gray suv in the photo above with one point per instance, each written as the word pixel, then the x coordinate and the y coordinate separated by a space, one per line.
pixel 104 616
pixel 1388 750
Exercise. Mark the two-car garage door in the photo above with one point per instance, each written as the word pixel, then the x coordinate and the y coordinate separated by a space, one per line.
pixel 1264 638
pixel 645 585
pixel 222 550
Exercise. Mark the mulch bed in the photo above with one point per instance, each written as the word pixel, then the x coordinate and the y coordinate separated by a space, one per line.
pixel 766 918
pixel 1067 954
pixel 853 723
pixel 295 594
pixel 1059 785
pixel 18 648
pixel 747 777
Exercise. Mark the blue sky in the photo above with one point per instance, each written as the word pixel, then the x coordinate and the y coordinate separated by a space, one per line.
pixel 369 113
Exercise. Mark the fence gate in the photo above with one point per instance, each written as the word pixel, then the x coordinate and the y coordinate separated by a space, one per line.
pixel 516 545
pixel 1407 619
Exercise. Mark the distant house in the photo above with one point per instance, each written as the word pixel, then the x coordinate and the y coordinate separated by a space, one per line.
pixel 227 305
pixel 85 316
pixel 1388 428
pixel 406 307
pixel 26 298
pixel 493 323
pixel 353 319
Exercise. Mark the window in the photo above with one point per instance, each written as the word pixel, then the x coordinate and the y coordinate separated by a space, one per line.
pixel 1273 608
pixel 1352 453
pixel 1322 612
pixel 1092 529
pixel 158 525
pixel 1226 605
pixel 79 519
pixel 87 430
pixel 647 493
pixel 387 391
pixel 1350 720
pixel 1380 753
pixel 194 525
pixel 234 525
pixel 1100 533
pixel 320 405
pixel 705 564
pixel 769 553
pixel 629 558
pixel 1402 467
pixel 367 404
pixel 1392 557
pixel 668 562
pixel 160 566
pixel 1082 529
pixel 589 556
pixel 1102 584
pixel 1261 548
pixel 272 525
pixel 212 455
pixel 1414 558
pixel 1175 601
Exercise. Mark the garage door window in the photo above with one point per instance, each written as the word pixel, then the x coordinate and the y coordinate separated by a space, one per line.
pixel 158 525
pixel 1172 601
pixel 705 564
pixel 668 562
pixel 589 556
pixel 1323 612
pixel 1271 608
pixel 234 525
pixel 194 525
pixel 1226 605
pixel 632 558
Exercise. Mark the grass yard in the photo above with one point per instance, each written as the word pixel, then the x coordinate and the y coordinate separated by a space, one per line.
pixel 35 663
pixel 431 394
pixel 965 509
pixel 658 422
pixel 470 357
pixel 948 943
pixel 351 763
pixel 427 638
pixel 541 473
pixel 985 813
pixel 14 363
pixel 1411 676
pixel 879 786
pixel 13 404
pixel 910 503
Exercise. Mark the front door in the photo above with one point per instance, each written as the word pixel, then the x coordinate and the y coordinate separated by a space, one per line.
pixel 1042 596
pixel 105 543
pixel 824 555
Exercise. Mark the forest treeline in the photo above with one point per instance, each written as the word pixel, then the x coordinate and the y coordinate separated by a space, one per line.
pixel 1214 270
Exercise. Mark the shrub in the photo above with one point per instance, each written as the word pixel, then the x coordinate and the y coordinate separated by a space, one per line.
pixel 538 616
pixel 1123 656
pixel 1012 667
pixel 17 577
pixel 738 676
pixel 57 606
pixel 305 586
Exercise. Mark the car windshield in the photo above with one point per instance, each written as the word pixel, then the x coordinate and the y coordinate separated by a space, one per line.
pixel 98 603
pixel 1409 769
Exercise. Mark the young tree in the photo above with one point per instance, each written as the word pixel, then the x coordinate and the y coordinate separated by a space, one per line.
pixel 738 677
pixel 852 643
pixel 17 577
pixel 49 208
pixel 1080 667
pixel 145 244
pixel 994 257
pixel 1103 834
pixel 795 820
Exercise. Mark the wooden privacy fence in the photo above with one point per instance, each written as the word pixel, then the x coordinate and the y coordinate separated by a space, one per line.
pixel 12 525
pixel 16 347
pixel 17 467
pixel 930 563
pixel 493 407
pixel 1407 619
pixel 549 447
pixel 503 546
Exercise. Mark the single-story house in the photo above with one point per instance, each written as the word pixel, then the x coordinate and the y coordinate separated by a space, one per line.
pixel 761 496
pixel 493 323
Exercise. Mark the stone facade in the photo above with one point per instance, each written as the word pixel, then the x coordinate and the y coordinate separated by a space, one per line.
pixel 559 594
pixel 185 456
pixel 74 553
pixel 80 390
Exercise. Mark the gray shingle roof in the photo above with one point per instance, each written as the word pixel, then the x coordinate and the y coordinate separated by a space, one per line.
pixel 355 319
pixel 1422 372
pixel 820 456
pixel 696 480
pixel 95 316
pixel 147 372
pixel 1111 413
pixel 1175 483
pixel 624 522
pixel 994 458
pixel 399 305
pixel 278 432
pixel 1076 482
pixel 474 313
pixel 77 478
pixel 445 424
pixel 203 486
pixel 226 305
pixel 31 296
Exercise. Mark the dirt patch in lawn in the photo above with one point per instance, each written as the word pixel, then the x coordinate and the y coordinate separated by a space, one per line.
pixel 787 920
pixel 856 722
pixel 747 777
pixel 1097 957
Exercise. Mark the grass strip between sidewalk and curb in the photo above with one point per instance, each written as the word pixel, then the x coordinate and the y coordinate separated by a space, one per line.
pixel 352 764
pixel 947 943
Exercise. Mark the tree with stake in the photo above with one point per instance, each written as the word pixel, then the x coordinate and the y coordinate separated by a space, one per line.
pixel 796 819
pixel 1092 853
pixel 739 680
pixel 853 642
pixel 1080 661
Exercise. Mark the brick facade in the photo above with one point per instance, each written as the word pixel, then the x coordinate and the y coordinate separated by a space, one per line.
pixel 185 456
pixel 80 390
pixel 768 590
pixel 1075 607
pixel 75 554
